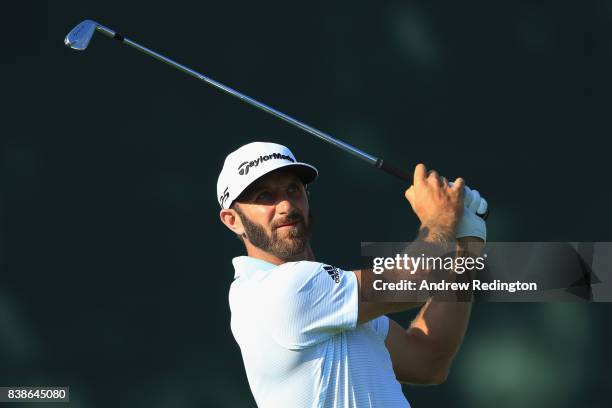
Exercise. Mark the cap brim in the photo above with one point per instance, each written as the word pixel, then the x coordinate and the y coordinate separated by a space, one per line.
pixel 305 172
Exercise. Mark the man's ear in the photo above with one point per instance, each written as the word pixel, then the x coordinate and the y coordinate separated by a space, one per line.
pixel 232 220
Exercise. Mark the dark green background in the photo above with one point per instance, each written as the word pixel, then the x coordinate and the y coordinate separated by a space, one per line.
pixel 114 266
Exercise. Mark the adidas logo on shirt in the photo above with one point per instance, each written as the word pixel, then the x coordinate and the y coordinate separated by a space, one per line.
pixel 333 273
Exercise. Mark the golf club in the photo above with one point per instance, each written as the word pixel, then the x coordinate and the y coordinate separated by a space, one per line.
pixel 78 39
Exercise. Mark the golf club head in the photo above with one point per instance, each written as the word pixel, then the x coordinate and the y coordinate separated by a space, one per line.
pixel 78 38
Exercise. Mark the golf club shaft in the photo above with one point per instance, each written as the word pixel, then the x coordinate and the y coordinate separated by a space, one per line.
pixel 375 161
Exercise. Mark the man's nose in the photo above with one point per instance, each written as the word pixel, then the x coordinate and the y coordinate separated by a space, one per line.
pixel 284 204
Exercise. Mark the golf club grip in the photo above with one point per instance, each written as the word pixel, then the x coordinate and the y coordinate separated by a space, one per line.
pixel 394 171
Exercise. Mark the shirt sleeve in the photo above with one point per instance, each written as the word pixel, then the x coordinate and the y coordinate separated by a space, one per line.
pixel 309 302
pixel 381 326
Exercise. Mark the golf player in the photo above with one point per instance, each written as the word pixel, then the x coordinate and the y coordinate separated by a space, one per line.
pixel 306 338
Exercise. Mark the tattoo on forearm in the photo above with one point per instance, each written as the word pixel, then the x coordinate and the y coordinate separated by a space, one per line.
pixel 437 235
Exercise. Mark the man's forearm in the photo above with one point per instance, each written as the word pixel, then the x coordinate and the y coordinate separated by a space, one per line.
pixel 430 242
pixel 444 323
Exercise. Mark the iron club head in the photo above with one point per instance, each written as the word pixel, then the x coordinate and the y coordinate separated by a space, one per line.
pixel 78 38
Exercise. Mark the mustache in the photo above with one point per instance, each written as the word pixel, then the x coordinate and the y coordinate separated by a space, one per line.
pixel 290 219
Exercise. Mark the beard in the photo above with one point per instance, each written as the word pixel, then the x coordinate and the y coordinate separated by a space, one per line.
pixel 289 247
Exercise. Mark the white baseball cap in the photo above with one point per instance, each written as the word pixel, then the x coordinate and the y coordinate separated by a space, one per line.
pixel 251 161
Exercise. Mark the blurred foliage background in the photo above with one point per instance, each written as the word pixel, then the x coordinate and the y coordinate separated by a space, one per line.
pixel 114 268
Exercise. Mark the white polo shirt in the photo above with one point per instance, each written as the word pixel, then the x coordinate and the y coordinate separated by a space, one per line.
pixel 296 325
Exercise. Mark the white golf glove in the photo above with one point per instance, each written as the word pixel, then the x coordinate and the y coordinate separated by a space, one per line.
pixel 471 223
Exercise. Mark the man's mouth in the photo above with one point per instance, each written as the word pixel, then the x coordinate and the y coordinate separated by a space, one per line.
pixel 287 225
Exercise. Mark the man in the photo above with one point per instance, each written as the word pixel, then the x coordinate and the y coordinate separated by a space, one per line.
pixel 307 339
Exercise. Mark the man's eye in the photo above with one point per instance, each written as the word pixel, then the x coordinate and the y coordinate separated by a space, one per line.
pixel 265 195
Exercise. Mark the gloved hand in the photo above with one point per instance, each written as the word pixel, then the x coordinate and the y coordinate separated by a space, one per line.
pixel 472 224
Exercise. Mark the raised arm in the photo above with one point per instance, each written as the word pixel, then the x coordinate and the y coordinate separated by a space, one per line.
pixel 439 208
pixel 423 353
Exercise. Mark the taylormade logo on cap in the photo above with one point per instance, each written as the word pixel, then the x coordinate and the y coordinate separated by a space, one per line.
pixel 243 169
pixel 252 161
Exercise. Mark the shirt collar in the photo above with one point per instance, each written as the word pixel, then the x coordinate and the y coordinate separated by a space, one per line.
pixel 243 264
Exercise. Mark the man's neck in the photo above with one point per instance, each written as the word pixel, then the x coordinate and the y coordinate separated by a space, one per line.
pixel 258 253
